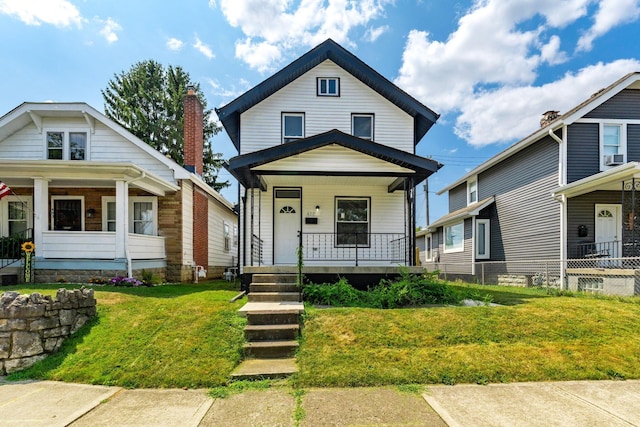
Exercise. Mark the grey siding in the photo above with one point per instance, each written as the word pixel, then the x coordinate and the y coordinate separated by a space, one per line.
pixel 526 222
pixel 624 105
pixel 581 211
pixel 583 148
pixel 461 258
pixel 458 197
pixel 633 143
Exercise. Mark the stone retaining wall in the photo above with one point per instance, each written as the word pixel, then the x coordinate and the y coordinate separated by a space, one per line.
pixel 34 326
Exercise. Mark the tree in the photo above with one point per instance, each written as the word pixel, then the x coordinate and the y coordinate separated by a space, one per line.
pixel 148 101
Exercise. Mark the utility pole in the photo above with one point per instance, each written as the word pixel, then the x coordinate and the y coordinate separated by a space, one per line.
pixel 426 194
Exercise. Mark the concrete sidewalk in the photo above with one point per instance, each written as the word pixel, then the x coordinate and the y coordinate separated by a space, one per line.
pixel 576 403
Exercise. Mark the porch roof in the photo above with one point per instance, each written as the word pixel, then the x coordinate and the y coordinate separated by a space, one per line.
pixel 70 173
pixel 409 165
pixel 610 180
pixel 466 212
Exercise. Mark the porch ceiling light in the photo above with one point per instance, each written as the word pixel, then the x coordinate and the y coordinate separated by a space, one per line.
pixel 317 209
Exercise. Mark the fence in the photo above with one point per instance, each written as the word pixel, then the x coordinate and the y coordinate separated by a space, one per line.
pixel 355 247
pixel 11 247
pixel 256 250
pixel 607 276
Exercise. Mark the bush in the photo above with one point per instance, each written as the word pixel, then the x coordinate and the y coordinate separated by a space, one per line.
pixel 409 290
pixel 126 281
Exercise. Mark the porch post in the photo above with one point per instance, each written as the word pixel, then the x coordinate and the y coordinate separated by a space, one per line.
pixel 251 233
pixel 40 212
pixel 122 222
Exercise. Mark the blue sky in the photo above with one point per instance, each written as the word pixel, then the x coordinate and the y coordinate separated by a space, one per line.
pixel 490 67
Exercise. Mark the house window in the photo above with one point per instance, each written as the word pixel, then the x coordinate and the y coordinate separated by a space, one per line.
pixel 226 237
pixel 292 126
pixel 612 144
pixel 328 86
pixel 454 238
pixel 352 221
pixel 235 235
pixel 482 239
pixel 427 248
pixel 362 126
pixel 143 215
pixel 66 145
pixel 67 213
pixel 16 215
pixel 472 191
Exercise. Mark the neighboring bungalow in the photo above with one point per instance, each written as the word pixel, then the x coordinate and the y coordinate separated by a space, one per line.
pixel 567 191
pixel 327 163
pixel 99 202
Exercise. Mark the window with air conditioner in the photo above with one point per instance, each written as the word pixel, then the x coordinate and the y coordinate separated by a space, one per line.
pixel 612 145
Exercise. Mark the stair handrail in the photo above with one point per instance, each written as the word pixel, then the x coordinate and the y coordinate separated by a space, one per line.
pixel 10 247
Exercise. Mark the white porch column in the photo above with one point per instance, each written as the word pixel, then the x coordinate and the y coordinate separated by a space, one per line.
pixel 122 218
pixel 40 211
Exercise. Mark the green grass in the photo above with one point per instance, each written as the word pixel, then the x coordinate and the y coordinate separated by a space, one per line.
pixel 164 336
pixel 539 338
pixel 191 336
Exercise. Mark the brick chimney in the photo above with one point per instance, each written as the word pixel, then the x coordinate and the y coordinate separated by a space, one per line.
pixel 193 132
pixel 548 117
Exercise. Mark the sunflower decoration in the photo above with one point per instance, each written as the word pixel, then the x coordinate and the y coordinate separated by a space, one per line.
pixel 28 247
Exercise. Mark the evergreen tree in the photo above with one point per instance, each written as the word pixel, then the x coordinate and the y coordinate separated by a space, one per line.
pixel 148 101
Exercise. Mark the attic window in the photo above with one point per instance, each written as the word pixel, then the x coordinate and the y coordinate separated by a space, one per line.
pixel 328 86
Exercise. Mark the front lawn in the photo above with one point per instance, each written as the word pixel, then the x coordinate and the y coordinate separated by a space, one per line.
pixel 539 338
pixel 164 336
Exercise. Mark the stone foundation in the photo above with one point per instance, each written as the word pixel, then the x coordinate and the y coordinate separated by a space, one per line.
pixel 34 326
pixel 84 276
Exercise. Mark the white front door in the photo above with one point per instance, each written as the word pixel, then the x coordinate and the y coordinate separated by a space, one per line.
pixel 286 224
pixel 609 229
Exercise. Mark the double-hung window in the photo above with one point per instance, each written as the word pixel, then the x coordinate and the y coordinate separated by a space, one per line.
pixel 226 236
pixel 292 126
pixel 454 237
pixel 17 218
pixel 143 215
pixel 62 145
pixel 352 221
pixel 328 86
pixel 472 191
pixel 612 144
pixel 362 126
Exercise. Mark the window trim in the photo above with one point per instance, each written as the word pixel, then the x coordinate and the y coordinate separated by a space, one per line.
pixel 472 183
pixel 4 212
pixel 282 126
pixel 449 250
pixel 327 79
pixel 226 236
pixel 622 147
pixel 336 221
pixel 373 121
pixel 132 200
pixel 66 144
pixel 487 238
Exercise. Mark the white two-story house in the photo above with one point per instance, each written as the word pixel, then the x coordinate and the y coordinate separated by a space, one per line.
pixel 327 164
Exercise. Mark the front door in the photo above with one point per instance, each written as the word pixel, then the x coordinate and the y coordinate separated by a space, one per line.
pixel 286 223
pixel 609 229
pixel 67 214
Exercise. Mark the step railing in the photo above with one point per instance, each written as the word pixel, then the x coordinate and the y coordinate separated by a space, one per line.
pixel 11 247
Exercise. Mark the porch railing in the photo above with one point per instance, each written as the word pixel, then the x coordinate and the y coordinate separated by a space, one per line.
pixel 11 247
pixel 614 249
pixel 355 248
pixel 256 250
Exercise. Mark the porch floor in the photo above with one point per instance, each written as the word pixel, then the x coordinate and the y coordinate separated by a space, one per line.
pixel 331 269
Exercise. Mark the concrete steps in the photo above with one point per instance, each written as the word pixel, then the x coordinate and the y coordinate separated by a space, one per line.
pixel 273 326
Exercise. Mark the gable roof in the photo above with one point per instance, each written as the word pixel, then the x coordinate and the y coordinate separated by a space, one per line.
pixel 463 213
pixel 571 116
pixel 423 116
pixel 241 166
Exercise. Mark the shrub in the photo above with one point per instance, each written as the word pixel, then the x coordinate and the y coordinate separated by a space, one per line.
pixel 126 281
pixel 406 291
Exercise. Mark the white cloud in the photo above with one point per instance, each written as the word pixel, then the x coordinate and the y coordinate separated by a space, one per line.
pixel 174 44
pixel 611 13
pixel 511 112
pixel 203 48
pixel 484 74
pixel 372 34
pixel 228 93
pixel 109 28
pixel 59 13
pixel 274 28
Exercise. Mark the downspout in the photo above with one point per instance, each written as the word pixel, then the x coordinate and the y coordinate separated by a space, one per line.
pixel 126 241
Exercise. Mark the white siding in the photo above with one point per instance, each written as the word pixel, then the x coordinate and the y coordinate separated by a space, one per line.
pixel 187 222
pixel 333 158
pixel 261 124
pixel 386 216
pixel 104 145
pixel 218 215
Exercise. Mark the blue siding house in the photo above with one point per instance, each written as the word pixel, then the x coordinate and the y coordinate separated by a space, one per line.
pixel 567 191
